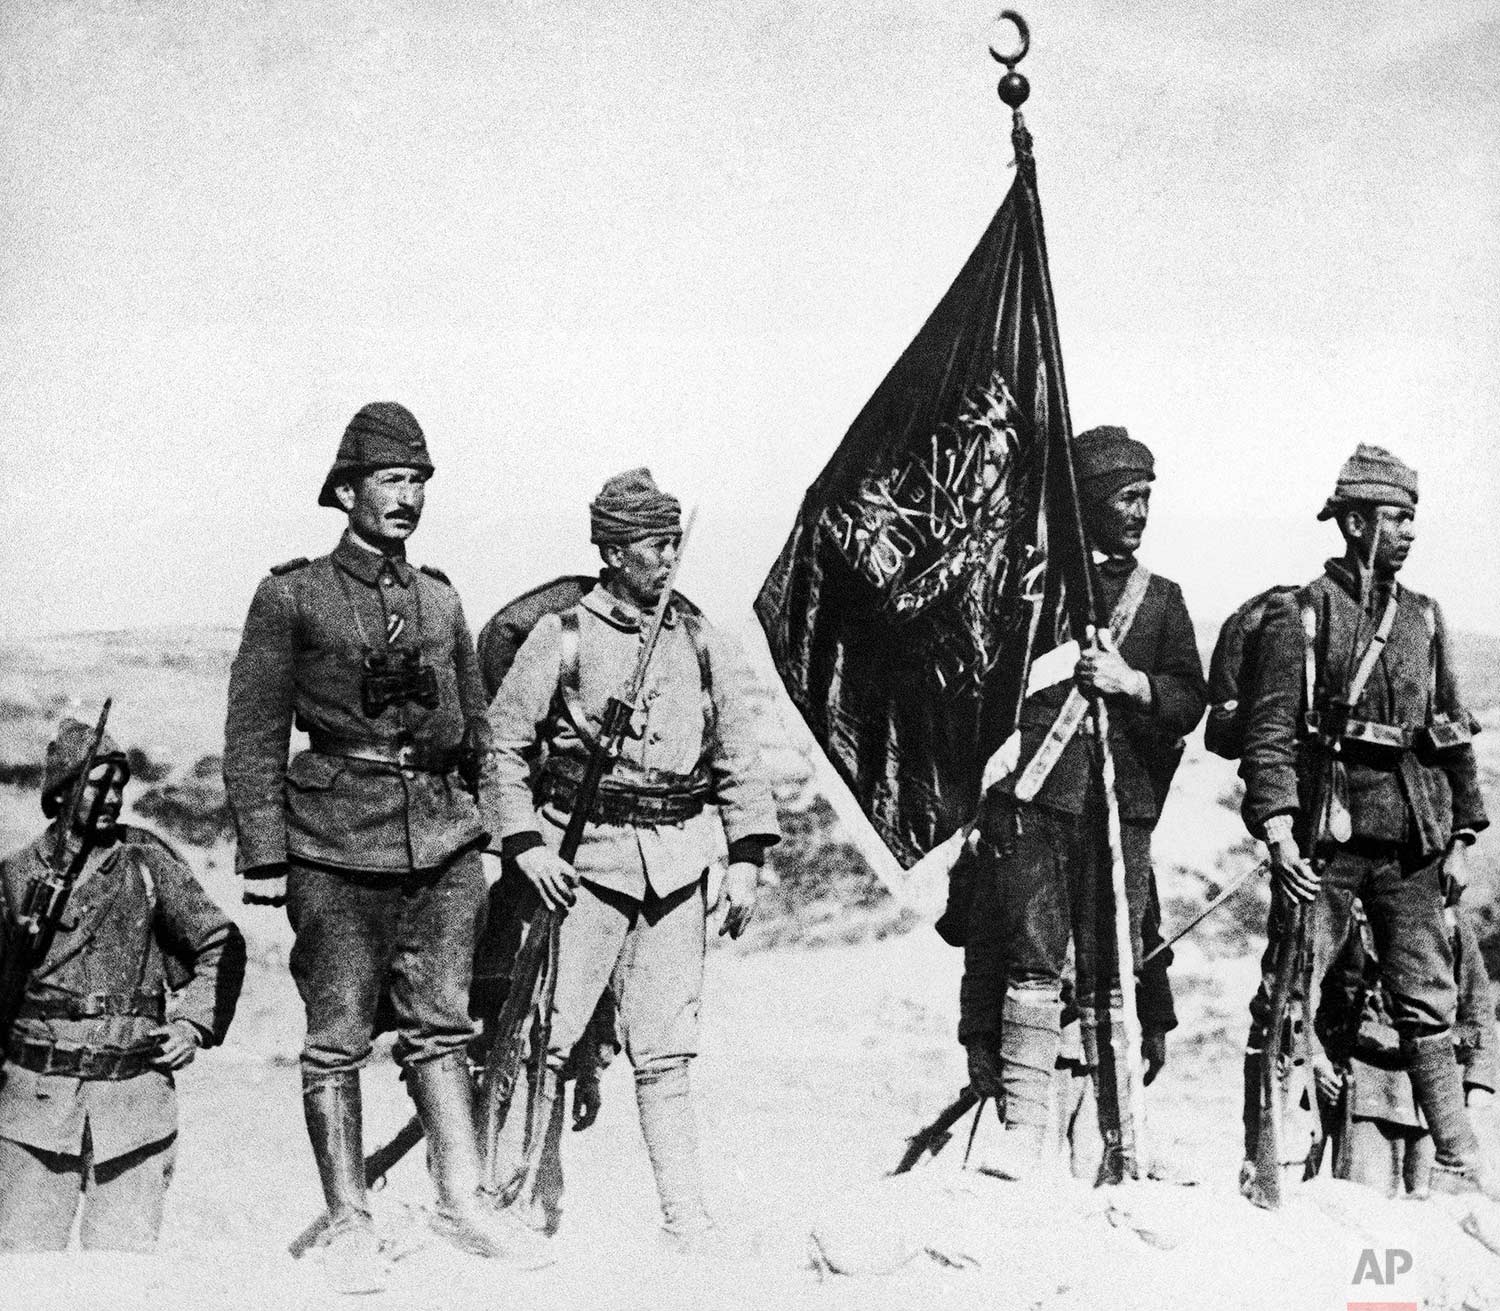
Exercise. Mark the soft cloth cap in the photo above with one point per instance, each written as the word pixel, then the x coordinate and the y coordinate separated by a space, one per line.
pixel 631 507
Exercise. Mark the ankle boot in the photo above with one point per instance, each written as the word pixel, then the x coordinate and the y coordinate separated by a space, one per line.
pixel 350 1249
pixel 1250 1117
pixel 1438 1084
pixel 664 1099
pixel 445 1101
pixel 1111 1062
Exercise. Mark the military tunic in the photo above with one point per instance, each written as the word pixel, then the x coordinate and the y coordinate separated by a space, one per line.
pixel 1059 869
pixel 300 661
pixel 385 888
pixel 1404 805
pixel 642 882
pixel 140 944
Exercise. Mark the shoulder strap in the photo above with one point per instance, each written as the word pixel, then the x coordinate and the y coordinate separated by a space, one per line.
pixel 1376 646
pixel 692 625
pixel 1429 617
pixel 569 679
pixel 1125 609
pixel 1310 650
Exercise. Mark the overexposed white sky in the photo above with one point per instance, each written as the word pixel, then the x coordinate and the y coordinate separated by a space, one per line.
pixel 574 238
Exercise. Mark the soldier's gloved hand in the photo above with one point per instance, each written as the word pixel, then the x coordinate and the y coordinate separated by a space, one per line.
pixel 179 1044
pixel 555 880
pixel 738 893
pixel 1293 875
pixel 984 1067
pixel 265 885
pixel 1153 1053
pixel 587 1099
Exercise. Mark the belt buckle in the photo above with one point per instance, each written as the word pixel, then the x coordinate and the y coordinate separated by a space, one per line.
pixel 406 757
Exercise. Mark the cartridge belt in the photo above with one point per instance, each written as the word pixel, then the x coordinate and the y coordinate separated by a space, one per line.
pixel 673 799
pixel 94 1005
pixel 81 1062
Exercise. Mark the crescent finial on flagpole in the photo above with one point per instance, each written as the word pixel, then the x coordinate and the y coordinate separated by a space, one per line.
pixel 1013 88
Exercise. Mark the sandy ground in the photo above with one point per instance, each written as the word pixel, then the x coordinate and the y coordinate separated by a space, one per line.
pixel 816 1065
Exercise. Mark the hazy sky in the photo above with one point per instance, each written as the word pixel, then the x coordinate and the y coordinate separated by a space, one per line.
pixel 574 238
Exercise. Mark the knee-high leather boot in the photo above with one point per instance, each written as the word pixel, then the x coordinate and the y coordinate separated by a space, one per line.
pixel 445 1101
pixel 351 1252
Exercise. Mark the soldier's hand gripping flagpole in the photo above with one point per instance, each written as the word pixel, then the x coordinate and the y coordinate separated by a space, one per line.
pixel 534 980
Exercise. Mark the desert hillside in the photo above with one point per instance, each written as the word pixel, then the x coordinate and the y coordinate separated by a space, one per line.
pixel 829 1037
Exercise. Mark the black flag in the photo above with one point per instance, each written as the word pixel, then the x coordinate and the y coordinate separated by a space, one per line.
pixel 929 559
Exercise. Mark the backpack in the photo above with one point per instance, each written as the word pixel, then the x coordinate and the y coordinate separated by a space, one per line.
pixel 1231 673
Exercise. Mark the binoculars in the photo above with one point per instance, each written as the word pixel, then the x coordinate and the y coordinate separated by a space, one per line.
pixel 395 678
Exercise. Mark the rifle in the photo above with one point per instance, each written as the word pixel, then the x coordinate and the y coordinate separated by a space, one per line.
pixel 46 896
pixel 1239 882
pixel 932 1138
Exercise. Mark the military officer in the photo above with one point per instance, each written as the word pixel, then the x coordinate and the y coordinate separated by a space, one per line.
pixel 143 971
pixel 635 898
pixel 371 836
pixel 1360 777
pixel 1045 833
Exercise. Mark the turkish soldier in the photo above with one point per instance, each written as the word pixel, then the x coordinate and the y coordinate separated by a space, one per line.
pixel 635 897
pixel 143 971
pixel 1357 754
pixel 1047 856
pixel 372 835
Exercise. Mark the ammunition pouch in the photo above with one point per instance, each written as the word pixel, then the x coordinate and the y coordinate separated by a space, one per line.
pixel 394 678
pixel 648 801
pixel 112 1063
pixel 1444 733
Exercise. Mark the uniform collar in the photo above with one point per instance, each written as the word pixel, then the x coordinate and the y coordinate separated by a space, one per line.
pixel 621 614
pixel 1348 579
pixel 367 565
pixel 1114 566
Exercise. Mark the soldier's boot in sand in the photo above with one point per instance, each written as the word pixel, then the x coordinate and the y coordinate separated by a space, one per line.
pixel 350 1251
pixel 1438 1084
pixel 1110 1058
pixel 664 1099
pixel 1028 1058
pixel 445 1100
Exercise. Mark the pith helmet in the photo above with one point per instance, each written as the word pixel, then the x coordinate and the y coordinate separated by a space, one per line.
pixel 382 435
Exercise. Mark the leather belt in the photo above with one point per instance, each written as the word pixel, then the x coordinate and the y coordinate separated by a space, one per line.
pixel 81 1062
pixel 407 756
pixel 94 1005
pixel 620 805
